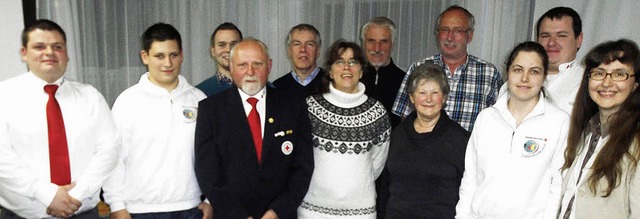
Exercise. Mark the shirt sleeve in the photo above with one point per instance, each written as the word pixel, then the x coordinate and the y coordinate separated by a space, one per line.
pixel 106 143
pixel 400 105
pixel 381 151
pixel 496 83
pixel 554 203
pixel 114 188
pixel 634 190
pixel 15 177
pixel 469 181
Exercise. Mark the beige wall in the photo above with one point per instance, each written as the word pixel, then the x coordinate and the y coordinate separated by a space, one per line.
pixel 12 23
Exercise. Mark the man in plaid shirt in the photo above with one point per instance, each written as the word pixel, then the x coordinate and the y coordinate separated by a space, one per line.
pixel 474 82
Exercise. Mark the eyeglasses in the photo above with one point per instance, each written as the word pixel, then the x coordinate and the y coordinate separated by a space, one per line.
pixel 456 31
pixel 616 75
pixel 342 63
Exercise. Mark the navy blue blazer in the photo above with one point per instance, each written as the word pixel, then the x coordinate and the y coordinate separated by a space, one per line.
pixel 226 164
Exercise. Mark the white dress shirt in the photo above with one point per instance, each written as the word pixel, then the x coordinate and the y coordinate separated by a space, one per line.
pixel 261 105
pixel 93 144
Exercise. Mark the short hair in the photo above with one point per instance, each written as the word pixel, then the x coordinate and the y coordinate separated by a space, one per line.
pixel 160 32
pixel 558 13
pixel 529 46
pixel 303 27
pixel 224 26
pixel 428 72
pixel 335 51
pixel 41 24
pixel 251 39
pixel 380 22
pixel 470 19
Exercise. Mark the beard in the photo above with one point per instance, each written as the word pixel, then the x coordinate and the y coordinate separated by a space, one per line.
pixel 251 88
pixel 379 63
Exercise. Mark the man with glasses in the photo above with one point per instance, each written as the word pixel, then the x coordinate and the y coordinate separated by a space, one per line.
pixel 474 82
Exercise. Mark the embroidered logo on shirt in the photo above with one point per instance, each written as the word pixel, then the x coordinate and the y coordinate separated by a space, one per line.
pixel 533 146
pixel 189 114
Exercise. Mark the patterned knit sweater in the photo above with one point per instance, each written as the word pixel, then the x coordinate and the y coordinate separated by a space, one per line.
pixel 351 135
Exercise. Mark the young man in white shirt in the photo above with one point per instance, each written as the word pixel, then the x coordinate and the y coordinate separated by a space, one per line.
pixel 58 140
pixel 155 176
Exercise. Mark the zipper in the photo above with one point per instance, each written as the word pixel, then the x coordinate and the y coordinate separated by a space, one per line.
pixel 376 82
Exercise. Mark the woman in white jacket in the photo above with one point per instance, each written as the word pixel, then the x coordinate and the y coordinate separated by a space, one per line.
pixel 601 178
pixel 515 151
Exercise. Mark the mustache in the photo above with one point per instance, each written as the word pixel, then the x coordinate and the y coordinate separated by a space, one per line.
pixel 250 78
pixel 377 53
pixel 449 43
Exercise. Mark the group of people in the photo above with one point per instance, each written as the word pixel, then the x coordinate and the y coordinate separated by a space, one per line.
pixel 355 138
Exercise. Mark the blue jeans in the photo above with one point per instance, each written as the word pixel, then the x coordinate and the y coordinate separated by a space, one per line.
pixel 193 213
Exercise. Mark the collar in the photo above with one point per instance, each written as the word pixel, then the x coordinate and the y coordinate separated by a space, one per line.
pixel 261 95
pixel 307 80
pixel 390 65
pixel 37 83
pixel 223 78
pixel 440 62
pixel 346 100
pixel 566 66
pixel 595 127
pixel 182 85
pixel 502 106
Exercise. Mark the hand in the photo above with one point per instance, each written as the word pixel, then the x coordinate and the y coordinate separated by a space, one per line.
pixel 270 214
pixel 207 210
pixel 120 214
pixel 63 205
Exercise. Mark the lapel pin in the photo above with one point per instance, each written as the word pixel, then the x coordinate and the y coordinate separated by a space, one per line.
pixel 280 133
pixel 289 132
pixel 270 120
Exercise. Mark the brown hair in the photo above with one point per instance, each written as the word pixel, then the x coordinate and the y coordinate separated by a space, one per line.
pixel 42 24
pixel 335 51
pixel 626 120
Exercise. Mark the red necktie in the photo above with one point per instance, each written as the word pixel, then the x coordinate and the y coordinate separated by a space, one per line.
pixel 58 152
pixel 254 124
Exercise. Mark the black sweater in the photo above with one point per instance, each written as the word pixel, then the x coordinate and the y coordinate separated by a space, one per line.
pixel 425 170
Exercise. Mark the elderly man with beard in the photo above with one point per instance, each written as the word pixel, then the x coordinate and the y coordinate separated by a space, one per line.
pixel 382 78
pixel 253 147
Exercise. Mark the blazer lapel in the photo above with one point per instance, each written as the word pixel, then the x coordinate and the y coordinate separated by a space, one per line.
pixel 270 122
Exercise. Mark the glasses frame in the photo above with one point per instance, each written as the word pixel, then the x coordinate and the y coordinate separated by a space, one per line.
pixel 610 74
pixel 455 31
pixel 350 62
